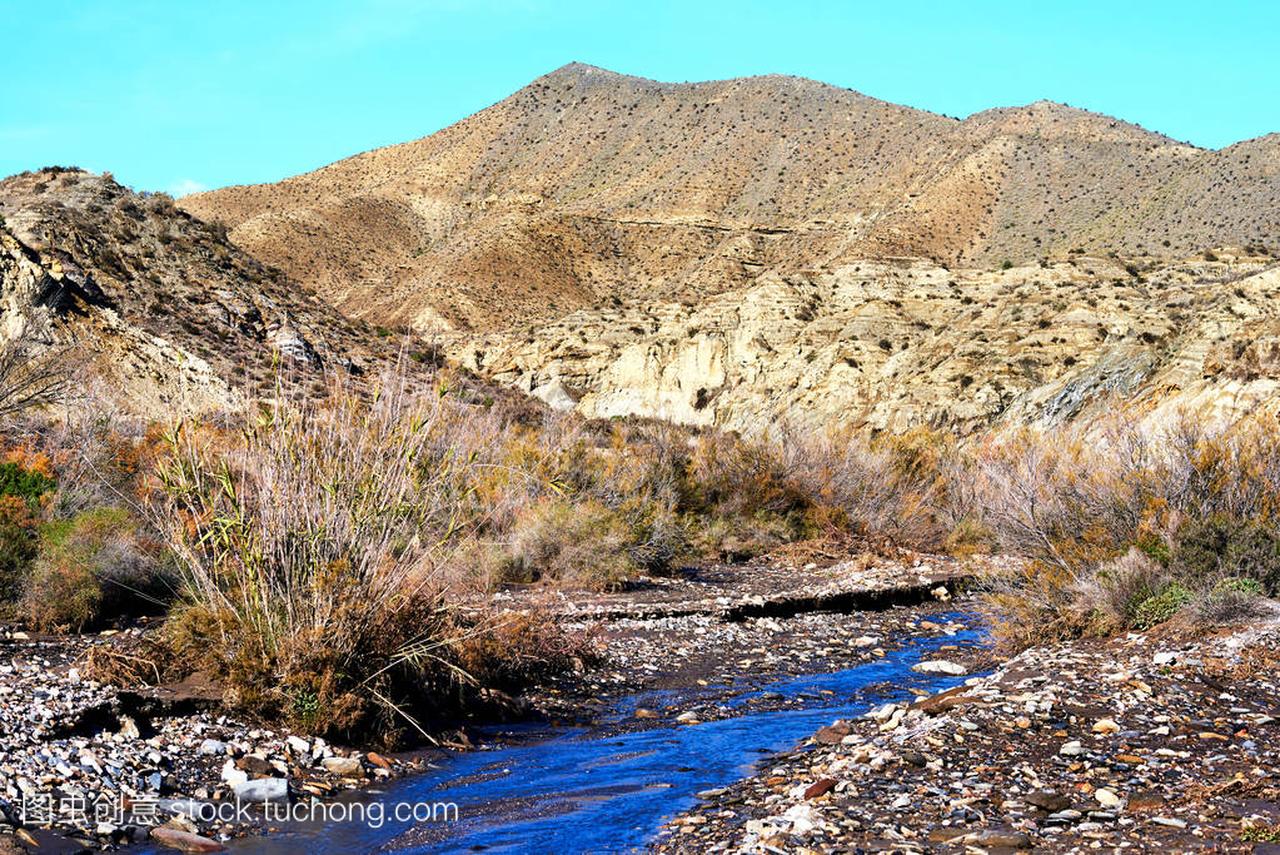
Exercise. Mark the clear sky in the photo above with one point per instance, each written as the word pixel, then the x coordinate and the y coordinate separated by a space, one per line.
pixel 183 94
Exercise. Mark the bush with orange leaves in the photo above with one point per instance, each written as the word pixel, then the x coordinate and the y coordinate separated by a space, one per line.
pixel 73 549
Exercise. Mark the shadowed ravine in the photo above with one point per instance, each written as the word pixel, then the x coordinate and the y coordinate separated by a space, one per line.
pixel 601 790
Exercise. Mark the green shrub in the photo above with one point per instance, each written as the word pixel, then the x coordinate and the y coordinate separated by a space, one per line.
pixel 1157 609
pixel 1236 585
pixel 18 546
pixel 1220 545
pixel 87 567
pixel 20 492
pixel 25 484
pixel 1154 547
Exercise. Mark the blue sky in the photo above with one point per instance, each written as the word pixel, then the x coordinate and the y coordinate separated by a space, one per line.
pixel 181 95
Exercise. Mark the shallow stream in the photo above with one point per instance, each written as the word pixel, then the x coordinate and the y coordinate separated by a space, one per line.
pixel 608 788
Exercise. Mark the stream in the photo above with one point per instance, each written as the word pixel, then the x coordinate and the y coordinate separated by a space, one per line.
pixel 599 789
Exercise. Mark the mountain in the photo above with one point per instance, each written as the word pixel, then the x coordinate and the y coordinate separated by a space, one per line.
pixel 169 315
pixel 589 188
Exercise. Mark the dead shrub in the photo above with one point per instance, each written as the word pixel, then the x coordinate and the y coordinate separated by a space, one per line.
pixel 1233 600
pixel 1191 505
pixel 582 543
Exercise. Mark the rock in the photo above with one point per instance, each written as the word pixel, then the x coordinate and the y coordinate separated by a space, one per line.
pixel 1169 821
pixel 995 837
pixel 803 819
pixel 913 758
pixel 940 666
pixel 298 745
pixel 1107 798
pixel 129 728
pixel 1048 801
pixel 641 712
pixel 262 790
pixel 819 788
pixel 1072 749
pixel 233 775
pixel 212 747
pixel 688 718
pixel 184 841
pixel 1105 726
pixel 832 734
pixel 46 842
pixel 378 760
pixel 255 765
pixel 347 767
pixel 943 701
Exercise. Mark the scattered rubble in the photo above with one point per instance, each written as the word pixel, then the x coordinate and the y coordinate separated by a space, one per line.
pixel 1140 743
pixel 87 765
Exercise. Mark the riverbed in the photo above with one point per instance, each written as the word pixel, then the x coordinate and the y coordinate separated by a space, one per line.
pixel 607 788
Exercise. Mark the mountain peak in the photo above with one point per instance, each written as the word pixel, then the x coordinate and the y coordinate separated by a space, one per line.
pixel 589 184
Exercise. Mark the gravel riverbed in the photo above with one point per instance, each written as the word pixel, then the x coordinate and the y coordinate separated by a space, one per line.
pixel 1140 743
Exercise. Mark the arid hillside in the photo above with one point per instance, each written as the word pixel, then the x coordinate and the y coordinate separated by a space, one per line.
pixel 165 313
pixel 587 187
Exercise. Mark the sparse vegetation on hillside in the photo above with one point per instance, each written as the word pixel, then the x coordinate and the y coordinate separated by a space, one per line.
pixel 586 185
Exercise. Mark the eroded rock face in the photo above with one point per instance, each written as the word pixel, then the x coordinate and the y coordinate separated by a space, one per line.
pixel 891 345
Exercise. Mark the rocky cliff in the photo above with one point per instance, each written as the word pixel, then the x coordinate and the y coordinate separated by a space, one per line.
pixel 891 345
pixel 164 313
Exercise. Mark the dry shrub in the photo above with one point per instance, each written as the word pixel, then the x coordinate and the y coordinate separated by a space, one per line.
pixel 312 547
pixel 581 543
pixel 1231 601
pixel 510 650
pixel 895 489
pixel 1186 507
pixel 79 553
pixel 1034 606
pixel 577 504
pixel 1115 593
pixel 138 661
pixel 94 565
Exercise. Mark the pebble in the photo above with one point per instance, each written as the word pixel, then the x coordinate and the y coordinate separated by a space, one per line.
pixel 262 790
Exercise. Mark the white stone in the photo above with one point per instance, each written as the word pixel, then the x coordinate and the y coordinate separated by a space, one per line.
pixel 940 666
pixel 232 775
pixel 262 790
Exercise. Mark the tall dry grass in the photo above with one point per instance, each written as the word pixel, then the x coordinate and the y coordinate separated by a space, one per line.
pixel 314 544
